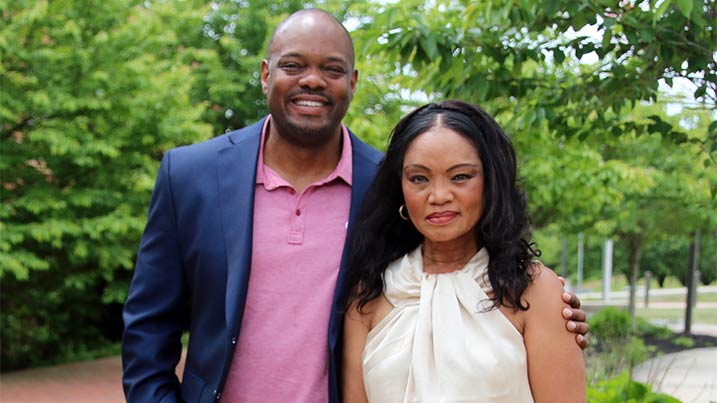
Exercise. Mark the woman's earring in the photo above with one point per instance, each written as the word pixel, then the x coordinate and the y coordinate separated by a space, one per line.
pixel 402 213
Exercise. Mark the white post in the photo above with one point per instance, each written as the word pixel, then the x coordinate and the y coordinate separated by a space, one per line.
pixel 606 270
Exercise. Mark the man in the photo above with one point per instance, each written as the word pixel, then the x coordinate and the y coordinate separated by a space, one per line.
pixel 245 236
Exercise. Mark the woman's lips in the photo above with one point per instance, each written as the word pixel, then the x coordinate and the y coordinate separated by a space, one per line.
pixel 441 217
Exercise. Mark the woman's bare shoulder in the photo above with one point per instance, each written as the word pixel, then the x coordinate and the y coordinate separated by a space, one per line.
pixel 372 312
pixel 545 284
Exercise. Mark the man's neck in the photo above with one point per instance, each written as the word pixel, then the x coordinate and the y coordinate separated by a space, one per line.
pixel 302 166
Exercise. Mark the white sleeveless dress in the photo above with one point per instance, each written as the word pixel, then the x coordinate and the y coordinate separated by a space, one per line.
pixel 439 344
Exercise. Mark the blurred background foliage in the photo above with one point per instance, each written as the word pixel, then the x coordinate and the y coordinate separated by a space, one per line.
pixel 611 106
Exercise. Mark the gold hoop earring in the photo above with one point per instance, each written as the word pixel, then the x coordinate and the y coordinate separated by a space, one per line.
pixel 402 213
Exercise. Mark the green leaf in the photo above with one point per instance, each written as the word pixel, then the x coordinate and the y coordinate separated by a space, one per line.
pixel 685 7
pixel 551 7
pixel 558 55
pixel 712 129
pixel 701 91
pixel 428 44
pixel 607 37
pixel 660 12
pixel 647 34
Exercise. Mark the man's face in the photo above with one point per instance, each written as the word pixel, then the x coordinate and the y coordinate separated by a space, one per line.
pixel 309 79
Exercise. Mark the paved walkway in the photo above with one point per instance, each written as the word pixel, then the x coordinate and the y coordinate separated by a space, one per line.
pixel 689 375
pixel 96 381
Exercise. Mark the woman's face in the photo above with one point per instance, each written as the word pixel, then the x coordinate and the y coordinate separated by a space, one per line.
pixel 442 184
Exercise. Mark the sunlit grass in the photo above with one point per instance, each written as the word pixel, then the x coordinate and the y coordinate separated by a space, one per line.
pixel 701 297
pixel 619 283
pixel 677 315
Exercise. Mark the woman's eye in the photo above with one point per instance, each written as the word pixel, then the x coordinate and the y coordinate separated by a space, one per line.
pixel 417 179
pixel 462 177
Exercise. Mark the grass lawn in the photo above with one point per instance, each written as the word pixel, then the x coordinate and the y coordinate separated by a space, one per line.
pixel 701 297
pixel 704 315
pixel 619 282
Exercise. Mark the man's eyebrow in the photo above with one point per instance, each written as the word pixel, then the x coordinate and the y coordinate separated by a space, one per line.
pixel 338 59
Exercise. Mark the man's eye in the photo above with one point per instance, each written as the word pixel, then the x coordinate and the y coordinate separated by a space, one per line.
pixel 335 70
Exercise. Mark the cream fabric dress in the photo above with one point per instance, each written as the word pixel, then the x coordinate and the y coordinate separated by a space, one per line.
pixel 439 344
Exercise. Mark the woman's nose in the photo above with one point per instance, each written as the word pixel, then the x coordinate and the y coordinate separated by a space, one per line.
pixel 440 194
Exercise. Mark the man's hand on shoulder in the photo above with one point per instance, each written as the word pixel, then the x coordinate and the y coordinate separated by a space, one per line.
pixel 576 318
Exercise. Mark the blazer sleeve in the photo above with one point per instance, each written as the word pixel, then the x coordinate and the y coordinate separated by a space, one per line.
pixel 155 312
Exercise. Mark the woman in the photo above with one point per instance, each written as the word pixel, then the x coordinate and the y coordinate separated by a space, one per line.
pixel 449 304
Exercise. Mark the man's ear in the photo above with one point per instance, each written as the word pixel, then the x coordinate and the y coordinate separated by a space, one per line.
pixel 354 80
pixel 265 76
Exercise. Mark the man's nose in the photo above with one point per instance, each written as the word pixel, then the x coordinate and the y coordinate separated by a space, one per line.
pixel 313 79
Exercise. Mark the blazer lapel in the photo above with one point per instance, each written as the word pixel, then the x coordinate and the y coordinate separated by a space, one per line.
pixel 236 173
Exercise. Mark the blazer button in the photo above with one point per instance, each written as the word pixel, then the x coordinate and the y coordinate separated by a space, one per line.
pixel 234 340
pixel 217 395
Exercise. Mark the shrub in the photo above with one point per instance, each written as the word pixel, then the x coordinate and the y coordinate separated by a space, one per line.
pixel 609 326
pixel 683 341
pixel 616 348
pixel 43 321
pixel 622 389
pixel 647 329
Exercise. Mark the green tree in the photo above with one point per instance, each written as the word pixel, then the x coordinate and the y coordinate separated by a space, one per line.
pixel 570 117
pixel 92 94
pixel 678 199
pixel 525 57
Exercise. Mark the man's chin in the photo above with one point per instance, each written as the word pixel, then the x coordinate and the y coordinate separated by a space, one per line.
pixel 312 128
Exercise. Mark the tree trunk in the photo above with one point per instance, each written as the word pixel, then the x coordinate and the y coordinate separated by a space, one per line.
pixel 692 280
pixel 634 249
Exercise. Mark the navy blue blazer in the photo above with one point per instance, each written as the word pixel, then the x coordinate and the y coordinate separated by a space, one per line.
pixel 193 266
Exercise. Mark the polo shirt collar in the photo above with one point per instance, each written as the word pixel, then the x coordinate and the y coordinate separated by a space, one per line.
pixel 272 180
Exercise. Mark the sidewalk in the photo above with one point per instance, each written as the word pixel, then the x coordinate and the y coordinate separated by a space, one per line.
pixel 97 381
pixel 689 375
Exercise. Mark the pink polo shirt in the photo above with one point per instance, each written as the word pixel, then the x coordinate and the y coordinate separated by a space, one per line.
pixel 282 352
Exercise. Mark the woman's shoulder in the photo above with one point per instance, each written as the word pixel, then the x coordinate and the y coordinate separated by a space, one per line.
pixel 545 285
pixel 370 313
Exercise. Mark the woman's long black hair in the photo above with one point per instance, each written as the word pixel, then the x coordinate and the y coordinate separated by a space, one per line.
pixel 381 236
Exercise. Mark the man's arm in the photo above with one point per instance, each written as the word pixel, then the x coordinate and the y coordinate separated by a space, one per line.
pixel 575 318
pixel 155 311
